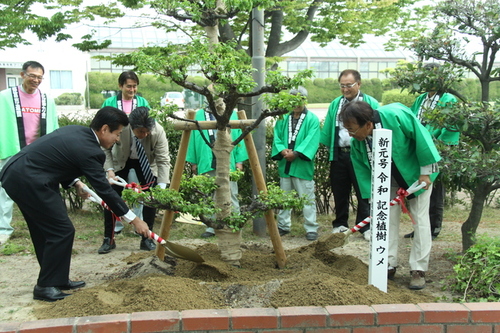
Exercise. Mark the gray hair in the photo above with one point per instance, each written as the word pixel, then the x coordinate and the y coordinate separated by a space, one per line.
pixel 299 90
pixel 139 118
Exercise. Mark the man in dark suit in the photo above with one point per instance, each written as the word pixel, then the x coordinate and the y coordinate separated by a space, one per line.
pixel 32 178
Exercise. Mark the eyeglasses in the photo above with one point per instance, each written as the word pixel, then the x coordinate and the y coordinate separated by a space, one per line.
pixel 354 133
pixel 347 86
pixel 34 76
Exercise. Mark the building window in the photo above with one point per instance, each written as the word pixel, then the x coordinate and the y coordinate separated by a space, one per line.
pixel 61 80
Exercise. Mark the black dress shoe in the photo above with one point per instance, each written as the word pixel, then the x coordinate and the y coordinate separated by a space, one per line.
pixel 148 244
pixel 283 232
pixel 48 294
pixel 72 285
pixel 410 235
pixel 207 234
pixel 107 246
pixel 391 272
pixel 312 236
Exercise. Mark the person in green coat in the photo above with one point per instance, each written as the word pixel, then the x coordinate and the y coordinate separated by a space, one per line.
pixel 26 115
pixel 295 143
pixel 203 161
pixel 414 157
pixel 336 138
pixel 127 99
pixel 429 101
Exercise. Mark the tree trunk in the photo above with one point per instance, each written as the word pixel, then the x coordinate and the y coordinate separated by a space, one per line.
pixel 469 227
pixel 222 150
pixel 229 245
pixel 485 90
pixel 228 239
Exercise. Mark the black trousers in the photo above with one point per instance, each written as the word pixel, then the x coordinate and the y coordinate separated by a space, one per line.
pixel 342 178
pixel 148 213
pixel 51 230
pixel 436 206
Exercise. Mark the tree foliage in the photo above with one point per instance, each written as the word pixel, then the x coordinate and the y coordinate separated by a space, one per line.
pixel 229 70
pixel 477 271
pixel 461 22
pixel 417 79
pixel 473 163
pixel 195 197
pixel 45 18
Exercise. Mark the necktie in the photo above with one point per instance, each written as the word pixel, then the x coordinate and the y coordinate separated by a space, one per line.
pixel 144 162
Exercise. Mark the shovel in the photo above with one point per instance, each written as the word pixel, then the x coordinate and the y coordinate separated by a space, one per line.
pixel 175 250
pixel 396 201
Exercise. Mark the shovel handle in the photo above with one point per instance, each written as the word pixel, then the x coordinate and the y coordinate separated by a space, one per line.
pixel 157 238
pixel 358 226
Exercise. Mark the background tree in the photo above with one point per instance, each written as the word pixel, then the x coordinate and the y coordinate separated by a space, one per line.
pixel 322 20
pixel 46 19
pixel 473 164
pixel 463 22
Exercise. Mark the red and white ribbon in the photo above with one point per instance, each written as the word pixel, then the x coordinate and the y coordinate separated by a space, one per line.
pixel 399 200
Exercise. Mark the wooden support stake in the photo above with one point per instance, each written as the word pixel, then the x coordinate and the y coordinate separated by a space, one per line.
pixel 260 183
pixel 175 182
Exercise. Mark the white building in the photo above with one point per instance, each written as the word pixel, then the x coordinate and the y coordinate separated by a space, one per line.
pixel 65 66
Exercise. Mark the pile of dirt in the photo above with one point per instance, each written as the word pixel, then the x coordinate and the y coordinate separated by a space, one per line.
pixel 313 276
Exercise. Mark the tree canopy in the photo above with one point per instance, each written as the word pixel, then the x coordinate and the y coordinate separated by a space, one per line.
pixel 46 18
pixel 288 23
pixel 472 164
pixel 462 22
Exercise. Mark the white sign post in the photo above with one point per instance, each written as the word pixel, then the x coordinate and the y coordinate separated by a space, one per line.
pixel 381 198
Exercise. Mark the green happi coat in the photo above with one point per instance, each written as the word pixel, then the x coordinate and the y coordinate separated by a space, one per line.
pixel 200 153
pixel 329 131
pixel 306 145
pixel 412 147
pixel 9 134
pixel 441 134
pixel 113 101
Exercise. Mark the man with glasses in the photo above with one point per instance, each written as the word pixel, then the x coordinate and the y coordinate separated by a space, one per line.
pixel 337 139
pixel 27 114
pixel 414 158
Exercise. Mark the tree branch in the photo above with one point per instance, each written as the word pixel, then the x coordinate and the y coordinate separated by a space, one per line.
pixel 265 114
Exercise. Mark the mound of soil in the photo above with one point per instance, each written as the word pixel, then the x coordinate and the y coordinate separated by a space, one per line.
pixel 313 276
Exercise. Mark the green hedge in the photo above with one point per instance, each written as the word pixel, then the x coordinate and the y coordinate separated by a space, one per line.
pixel 69 99
pixel 395 95
pixel 320 90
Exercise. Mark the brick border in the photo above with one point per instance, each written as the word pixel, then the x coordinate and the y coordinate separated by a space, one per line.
pixel 379 318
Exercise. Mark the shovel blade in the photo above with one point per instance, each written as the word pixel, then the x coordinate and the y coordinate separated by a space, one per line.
pixel 182 252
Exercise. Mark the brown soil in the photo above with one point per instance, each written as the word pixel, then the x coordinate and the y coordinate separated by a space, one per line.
pixel 127 280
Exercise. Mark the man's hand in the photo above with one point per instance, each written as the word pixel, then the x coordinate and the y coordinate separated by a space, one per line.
pixel 194 168
pixel 290 156
pixel 111 175
pixel 141 227
pixel 80 190
pixel 426 179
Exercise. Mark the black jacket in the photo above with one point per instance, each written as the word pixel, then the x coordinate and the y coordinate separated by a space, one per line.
pixel 58 158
